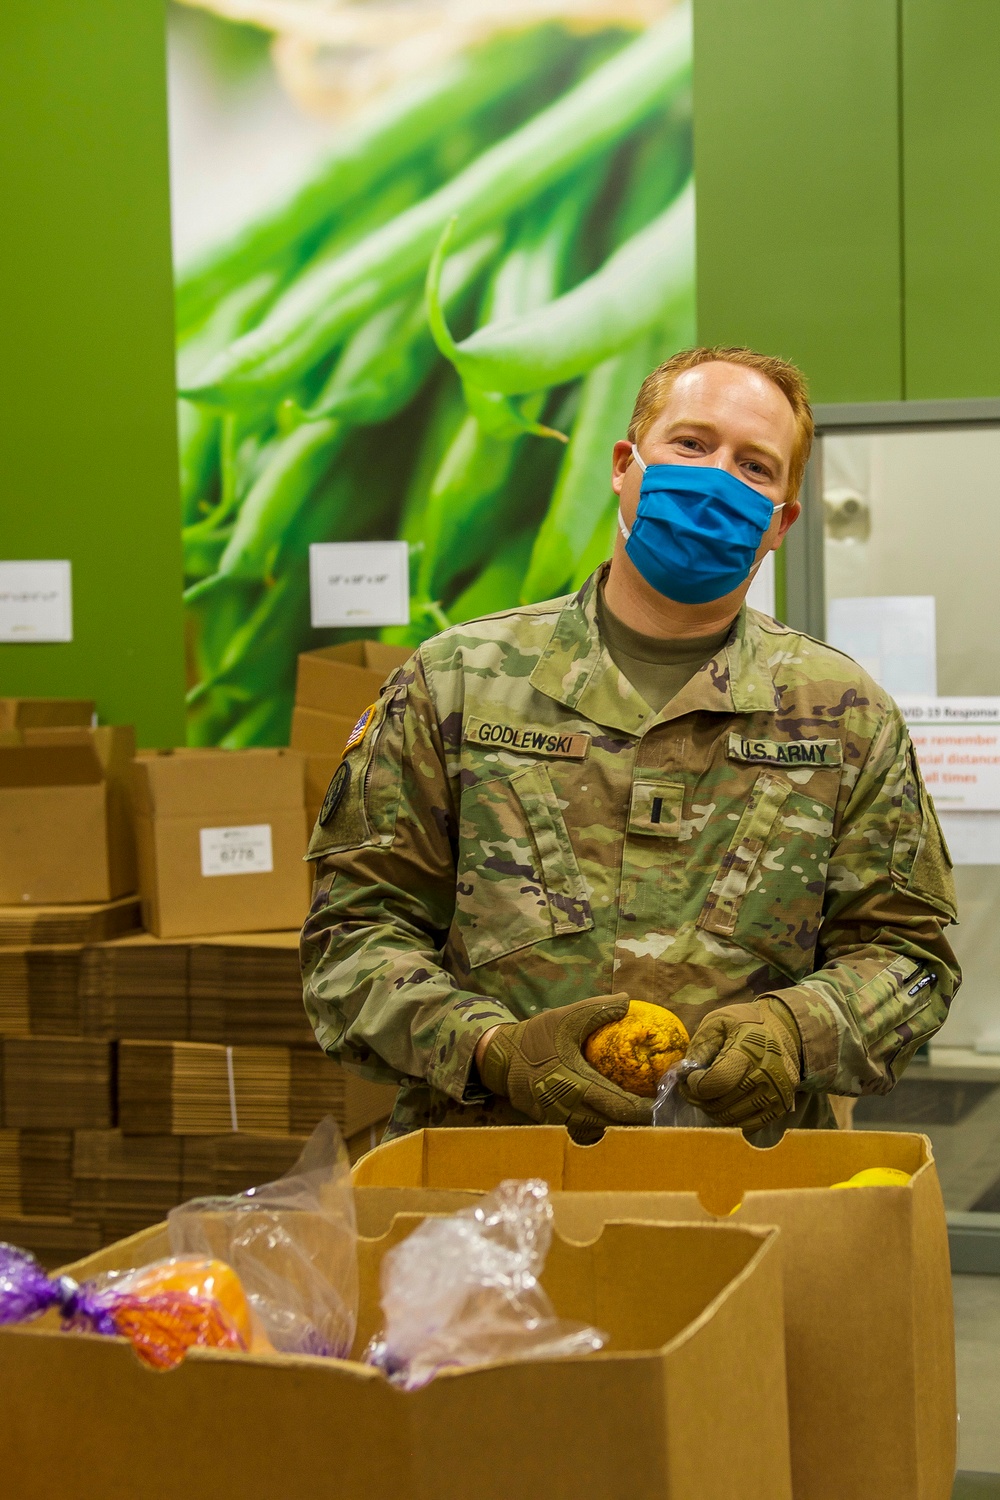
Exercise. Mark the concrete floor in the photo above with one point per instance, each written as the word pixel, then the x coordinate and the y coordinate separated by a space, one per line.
pixel 977 1340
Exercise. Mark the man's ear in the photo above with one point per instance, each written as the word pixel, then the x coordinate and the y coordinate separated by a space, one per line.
pixel 620 462
pixel 789 516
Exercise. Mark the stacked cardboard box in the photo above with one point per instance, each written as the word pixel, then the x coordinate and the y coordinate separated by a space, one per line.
pixel 65 828
pixel 333 688
pixel 138 1070
pixel 221 837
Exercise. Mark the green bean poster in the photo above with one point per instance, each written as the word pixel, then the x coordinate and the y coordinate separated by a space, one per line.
pixel 426 251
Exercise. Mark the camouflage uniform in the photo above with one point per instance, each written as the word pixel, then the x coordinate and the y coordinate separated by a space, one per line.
pixel 517 830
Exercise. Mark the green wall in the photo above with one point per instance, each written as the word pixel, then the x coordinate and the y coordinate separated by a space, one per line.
pixel 847 158
pixel 951 173
pixel 88 466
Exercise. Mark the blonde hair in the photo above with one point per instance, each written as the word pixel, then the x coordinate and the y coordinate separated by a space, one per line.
pixel 787 377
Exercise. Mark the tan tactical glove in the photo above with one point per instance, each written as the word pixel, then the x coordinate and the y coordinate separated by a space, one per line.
pixel 539 1067
pixel 749 1061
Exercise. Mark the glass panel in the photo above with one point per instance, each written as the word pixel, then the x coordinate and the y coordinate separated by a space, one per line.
pixel 917 513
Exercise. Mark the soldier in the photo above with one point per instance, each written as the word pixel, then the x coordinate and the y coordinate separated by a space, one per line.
pixel 642 790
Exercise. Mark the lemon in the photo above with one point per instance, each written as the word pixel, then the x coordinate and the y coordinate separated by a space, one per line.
pixel 876 1177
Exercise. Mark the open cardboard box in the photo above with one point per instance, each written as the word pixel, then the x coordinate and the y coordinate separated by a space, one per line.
pixel 868 1310
pixel 65 827
pixel 687 1402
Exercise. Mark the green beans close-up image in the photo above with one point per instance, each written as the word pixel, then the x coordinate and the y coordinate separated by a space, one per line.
pixel 435 340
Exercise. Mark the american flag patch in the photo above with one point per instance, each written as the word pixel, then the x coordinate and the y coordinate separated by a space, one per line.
pixel 358 732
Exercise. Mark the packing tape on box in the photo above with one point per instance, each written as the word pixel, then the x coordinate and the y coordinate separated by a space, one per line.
pixel 234 1118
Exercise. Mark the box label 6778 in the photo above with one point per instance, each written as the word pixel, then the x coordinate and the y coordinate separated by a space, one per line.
pixel 237 851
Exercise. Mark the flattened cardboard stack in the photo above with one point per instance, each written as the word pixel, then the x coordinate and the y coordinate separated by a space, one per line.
pixel 687 1401
pixel 39 990
pixel 136 987
pixel 333 688
pixel 193 1088
pixel 57 1083
pixel 248 987
pixel 79 922
pixel 36 1173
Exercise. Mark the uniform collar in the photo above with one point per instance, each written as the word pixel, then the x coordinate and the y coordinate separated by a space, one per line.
pixel 576 670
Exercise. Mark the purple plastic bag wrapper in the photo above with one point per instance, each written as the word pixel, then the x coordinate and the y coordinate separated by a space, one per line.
pixel 26 1292
pixel 463 1290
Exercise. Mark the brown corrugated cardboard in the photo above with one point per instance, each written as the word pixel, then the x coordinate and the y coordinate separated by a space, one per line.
pixel 135 986
pixel 248 988
pixel 65 831
pixel 190 1088
pixel 39 990
pixel 687 1401
pixel 319 734
pixel 869 1326
pixel 44 713
pixel 51 1239
pixel 36 1172
pixel 221 837
pixel 345 680
pixel 57 1083
pixel 87 922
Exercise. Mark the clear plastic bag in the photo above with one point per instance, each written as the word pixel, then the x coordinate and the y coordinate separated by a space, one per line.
pixel 671 1108
pixel 464 1291
pixel 293 1244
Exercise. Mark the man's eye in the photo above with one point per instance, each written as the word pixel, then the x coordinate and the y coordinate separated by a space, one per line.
pixel 758 470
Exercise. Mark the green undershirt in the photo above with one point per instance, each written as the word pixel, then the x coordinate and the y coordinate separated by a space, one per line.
pixel 656 668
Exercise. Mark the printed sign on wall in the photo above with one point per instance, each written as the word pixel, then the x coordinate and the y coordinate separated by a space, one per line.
pixel 36 601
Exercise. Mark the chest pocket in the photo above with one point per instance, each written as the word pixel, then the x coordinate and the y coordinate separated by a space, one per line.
pixel 768 893
pixel 518 878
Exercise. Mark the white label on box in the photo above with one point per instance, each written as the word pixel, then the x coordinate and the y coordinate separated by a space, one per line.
pixel 359 583
pixel 237 851
pixel 36 601
pixel 891 636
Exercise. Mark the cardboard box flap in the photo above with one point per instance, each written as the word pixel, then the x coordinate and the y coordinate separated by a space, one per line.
pixel 723 1162
pixel 50 765
pixel 644 1284
pixel 239 785
pixel 25 713
pixel 345 679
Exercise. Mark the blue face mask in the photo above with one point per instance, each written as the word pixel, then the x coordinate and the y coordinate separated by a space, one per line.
pixel 696 531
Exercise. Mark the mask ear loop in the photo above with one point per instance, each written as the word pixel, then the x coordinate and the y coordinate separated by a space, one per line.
pixel 621 519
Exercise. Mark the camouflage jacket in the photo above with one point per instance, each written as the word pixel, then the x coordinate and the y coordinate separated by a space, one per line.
pixel 516 829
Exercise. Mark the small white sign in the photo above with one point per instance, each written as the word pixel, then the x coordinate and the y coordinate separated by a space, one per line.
pixel 973 837
pixel 960 764
pixel 36 601
pixel 957 742
pixel 359 583
pixel 950 710
pixel 893 636
pixel 237 851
